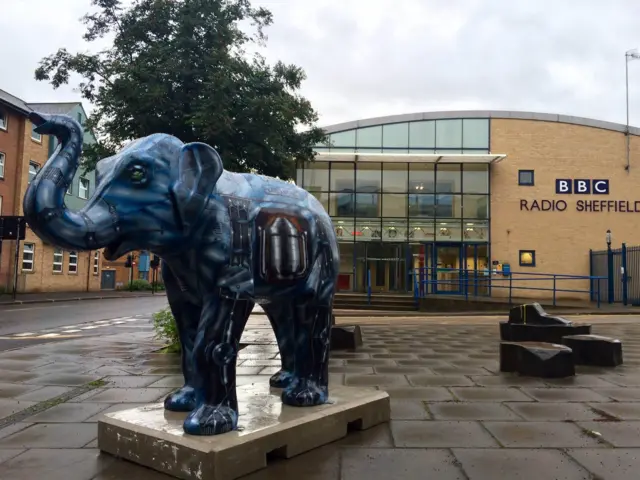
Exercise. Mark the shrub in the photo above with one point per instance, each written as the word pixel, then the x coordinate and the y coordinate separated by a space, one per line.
pixel 141 285
pixel 166 329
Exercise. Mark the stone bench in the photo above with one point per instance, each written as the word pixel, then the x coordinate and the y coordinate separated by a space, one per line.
pixel 517 332
pixel 537 359
pixel 530 323
pixel 346 337
pixel 594 350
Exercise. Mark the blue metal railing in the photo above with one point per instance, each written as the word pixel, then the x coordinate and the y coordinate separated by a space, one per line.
pixel 369 287
pixel 423 277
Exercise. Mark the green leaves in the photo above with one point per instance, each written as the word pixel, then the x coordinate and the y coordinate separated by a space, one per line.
pixel 180 67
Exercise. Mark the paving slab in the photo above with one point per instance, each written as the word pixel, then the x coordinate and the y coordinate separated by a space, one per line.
pixel 471 411
pixel 488 394
pixel 51 435
pixel 56 464
pixel 618 434
pixel 618 464
pixel 407 409
pixel 130 395
pixel 385 464
pixel 43 394
pixel 439 380
pixel 555 411
pixel 620 394
pixel 566 395
pixel 521 464
pixel 621 410
pixel 540 435
pixel 152 437
pixel 68 413
pixel 320 464
pixel 440 434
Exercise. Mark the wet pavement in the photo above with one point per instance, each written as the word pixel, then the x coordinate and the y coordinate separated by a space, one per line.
pixel 453 415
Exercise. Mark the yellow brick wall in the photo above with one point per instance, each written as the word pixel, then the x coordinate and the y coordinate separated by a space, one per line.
pixel 42 278
pixel 561 240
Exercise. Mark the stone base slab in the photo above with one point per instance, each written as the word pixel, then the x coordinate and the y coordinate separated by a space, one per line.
pixel 153 437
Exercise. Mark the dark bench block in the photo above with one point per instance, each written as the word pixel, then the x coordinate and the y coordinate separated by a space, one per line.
pixel 534 314
pixel 346 337
pixel 525 332
pixel 537 359
pixel 595 350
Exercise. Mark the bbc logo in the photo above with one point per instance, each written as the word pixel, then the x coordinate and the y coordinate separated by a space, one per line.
pixel 582 187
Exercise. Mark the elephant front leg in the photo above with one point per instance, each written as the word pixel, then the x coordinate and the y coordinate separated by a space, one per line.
pixel 215 353
pixel 187 317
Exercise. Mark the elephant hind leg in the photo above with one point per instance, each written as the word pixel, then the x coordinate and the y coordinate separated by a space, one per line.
pixel 280 316
pixel 311 317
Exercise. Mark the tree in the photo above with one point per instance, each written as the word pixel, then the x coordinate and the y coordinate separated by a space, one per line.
pixel 181 67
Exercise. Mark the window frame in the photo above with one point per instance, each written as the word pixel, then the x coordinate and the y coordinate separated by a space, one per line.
pixel 81 188
pixel 37 167
pixel 533 258
pixel 3 163
pixel 33 258
pixel 524 184
pixel 4 115
pixel 73 265
pixel 0 205
pixel 58 252
pixel 38 137
pixel 96 262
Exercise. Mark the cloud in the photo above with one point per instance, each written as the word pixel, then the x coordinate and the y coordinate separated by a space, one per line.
pixel 367 58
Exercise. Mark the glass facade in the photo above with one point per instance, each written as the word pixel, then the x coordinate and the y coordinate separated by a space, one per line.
pixel 393 218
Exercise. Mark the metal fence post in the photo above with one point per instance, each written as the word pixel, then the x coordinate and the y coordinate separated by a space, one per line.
pixel 624 275
pixel 609 274
pixel 554 290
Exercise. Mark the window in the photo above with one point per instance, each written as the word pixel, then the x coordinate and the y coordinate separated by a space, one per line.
pixel 83 191
pixel 3 120
pixel 525 178
pixel 73 262
pixel 28 250
pixel 2 158
pixel 80 118
pixel 70 189
pixel 33 170
pixel 57 260
pixel 449 134
pixel 527 258
pixel 96 262
pixel 35 135
pixel 369 138
pixel 475 133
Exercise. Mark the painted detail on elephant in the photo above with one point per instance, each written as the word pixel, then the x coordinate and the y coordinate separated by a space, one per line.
pixel 226 240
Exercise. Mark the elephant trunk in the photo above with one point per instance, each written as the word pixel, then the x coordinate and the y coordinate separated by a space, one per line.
pixel 91 228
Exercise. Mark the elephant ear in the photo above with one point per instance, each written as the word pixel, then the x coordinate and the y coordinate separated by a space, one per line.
pixel 195 175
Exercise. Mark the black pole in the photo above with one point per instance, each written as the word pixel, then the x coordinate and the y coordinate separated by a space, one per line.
pixel 153 282
pixel 15 266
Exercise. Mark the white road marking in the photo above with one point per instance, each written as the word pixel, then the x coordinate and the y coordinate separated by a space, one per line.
pixel 71 331
pixel 25 334
pixel 48 335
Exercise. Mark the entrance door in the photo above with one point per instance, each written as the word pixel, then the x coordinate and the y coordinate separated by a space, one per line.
pixel 108 280
pixel 477 269
pixel 448 268
pixel 386 264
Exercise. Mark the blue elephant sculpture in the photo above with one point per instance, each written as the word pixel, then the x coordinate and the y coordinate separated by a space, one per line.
pixel 227 241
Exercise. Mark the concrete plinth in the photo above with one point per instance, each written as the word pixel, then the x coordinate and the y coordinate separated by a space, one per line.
pixel 153 437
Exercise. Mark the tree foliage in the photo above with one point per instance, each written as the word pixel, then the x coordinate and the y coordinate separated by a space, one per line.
pixel 181 67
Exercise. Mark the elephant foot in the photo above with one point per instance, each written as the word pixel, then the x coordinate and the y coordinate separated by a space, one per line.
pixel 305 393
pixel 211 420
pixel 183 400
pixel 281 379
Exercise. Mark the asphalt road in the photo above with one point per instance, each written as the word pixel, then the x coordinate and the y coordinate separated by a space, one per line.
pixel 40 316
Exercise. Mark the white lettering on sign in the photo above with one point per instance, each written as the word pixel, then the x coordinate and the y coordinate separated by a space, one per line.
pixel 563 186
pixel 582 187
pixel 601 187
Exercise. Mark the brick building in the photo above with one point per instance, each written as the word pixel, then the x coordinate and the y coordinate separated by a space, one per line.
pixel 453 200
pixel 117 275
pixel 41 267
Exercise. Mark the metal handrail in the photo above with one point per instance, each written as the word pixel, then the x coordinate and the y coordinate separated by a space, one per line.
pixel 369 287
pixel 463 281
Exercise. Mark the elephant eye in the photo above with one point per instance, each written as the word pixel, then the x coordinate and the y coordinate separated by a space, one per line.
pixel 138 174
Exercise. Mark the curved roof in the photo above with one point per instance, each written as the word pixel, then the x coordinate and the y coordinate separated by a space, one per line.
pixel 505 114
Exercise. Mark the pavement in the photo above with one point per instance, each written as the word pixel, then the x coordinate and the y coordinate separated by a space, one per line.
pixel 28 298
pixel 454 416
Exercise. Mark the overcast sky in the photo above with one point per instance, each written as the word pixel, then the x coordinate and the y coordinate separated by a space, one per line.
pixel 367 58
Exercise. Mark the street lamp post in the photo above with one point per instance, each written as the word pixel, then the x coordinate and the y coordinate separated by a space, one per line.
pixel 629 56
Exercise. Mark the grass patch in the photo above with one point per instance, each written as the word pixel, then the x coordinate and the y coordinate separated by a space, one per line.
pixel 166 329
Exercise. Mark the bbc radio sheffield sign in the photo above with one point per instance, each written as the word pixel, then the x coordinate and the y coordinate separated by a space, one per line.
pixel 567 186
